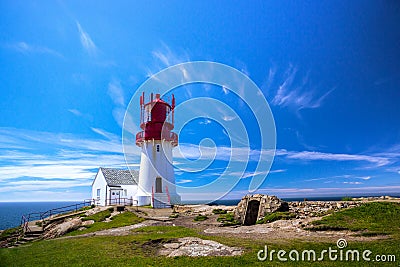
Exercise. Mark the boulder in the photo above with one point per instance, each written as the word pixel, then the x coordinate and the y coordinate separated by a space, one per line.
pixel 63 228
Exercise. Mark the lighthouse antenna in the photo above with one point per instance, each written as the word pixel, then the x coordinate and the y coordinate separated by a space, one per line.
pixel 173 107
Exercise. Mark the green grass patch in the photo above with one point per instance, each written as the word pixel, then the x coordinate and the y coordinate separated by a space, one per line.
pixel 375 217
pixel 200 218
pixel 99 217
pixel 347 198
pixel 174 215
pixel 9 233
pixel 227 219
pixel 275 216
pixel 140 248
pixel 123 219
pixel 219 211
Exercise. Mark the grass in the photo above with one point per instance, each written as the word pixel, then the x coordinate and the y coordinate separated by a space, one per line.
pixel 373 218
pixel 174 215
pixel 219 211
pixel 123 219
pixel 347 198
pixel 139 249
pixel 276 216
pixel 200 218
pixel 9 233
pixel 227 219
pixel 99 217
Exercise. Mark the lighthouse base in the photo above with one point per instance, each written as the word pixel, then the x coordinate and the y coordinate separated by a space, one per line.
pixel 161 200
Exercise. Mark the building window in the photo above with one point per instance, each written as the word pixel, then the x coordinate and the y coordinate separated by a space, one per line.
pixel 158 148
pixel 125 192
pixel 98 193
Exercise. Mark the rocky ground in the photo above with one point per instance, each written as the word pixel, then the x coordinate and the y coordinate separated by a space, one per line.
pixel 278 231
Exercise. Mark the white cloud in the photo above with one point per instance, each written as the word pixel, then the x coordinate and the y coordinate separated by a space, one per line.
pixel 310 155
pixel 295 92
pixel 116 93
pixel 184 181
pixel 26 48
pixel 205 121
pixel 66 156
pixel 167 57
pixel 225 90
pixel 75 112
pixel 86 41
pixel 228 118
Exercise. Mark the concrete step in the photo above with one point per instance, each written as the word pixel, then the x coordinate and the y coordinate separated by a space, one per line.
pixel 161 201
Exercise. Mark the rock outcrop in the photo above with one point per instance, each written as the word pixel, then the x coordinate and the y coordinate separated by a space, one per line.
pixel 197 247
pixel 56 230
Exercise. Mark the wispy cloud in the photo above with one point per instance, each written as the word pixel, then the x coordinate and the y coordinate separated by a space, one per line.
pixel 311 155
pixel 86 41
pixel 76 112
pixel 294 90
pixel 184 181
pixel 168 58
pixel 32 160
pixel 116 93
pixel 26 48
pixel 165 57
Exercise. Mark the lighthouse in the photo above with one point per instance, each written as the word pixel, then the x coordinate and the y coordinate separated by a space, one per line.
pixel 156 140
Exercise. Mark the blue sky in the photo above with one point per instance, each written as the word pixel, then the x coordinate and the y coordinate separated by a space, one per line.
pixel 330 72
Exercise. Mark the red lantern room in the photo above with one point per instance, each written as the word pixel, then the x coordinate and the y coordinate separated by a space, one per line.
pixel 156 120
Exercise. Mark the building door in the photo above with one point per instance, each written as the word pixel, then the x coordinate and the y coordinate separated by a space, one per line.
pixel 252 212
pixel 115 196
pixel 158 185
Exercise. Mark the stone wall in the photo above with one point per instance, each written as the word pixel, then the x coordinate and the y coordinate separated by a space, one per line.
pixel 319 208
pixel 255 207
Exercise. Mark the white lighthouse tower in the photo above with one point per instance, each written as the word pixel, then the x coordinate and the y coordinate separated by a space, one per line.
pixel 156 174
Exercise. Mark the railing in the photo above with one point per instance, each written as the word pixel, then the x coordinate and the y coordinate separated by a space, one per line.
pixel 120 201
pixel 65 209
pixel 35 216
pixel 168 136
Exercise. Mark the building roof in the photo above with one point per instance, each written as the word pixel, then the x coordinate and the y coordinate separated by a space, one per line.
pixel 120 177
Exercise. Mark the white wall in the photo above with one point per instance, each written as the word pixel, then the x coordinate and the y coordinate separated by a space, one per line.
pixel 99 183
pixel 152 165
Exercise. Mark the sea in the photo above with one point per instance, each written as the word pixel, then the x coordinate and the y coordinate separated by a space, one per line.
pixel 11 212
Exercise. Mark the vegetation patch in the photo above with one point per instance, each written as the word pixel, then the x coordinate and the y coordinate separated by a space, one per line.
pixel 9 233
pixel 200 218
pixel 227 219
pixel 140 249
pixel 372 218
pixel 275 216
pixel 100 216
pixel 123 219
pixel 219 211
pixel 174 215
pixel 347 198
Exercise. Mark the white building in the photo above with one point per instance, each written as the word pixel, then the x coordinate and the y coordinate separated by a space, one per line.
pixel 113 186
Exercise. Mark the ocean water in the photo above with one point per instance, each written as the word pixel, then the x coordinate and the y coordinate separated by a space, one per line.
pixel 11 212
